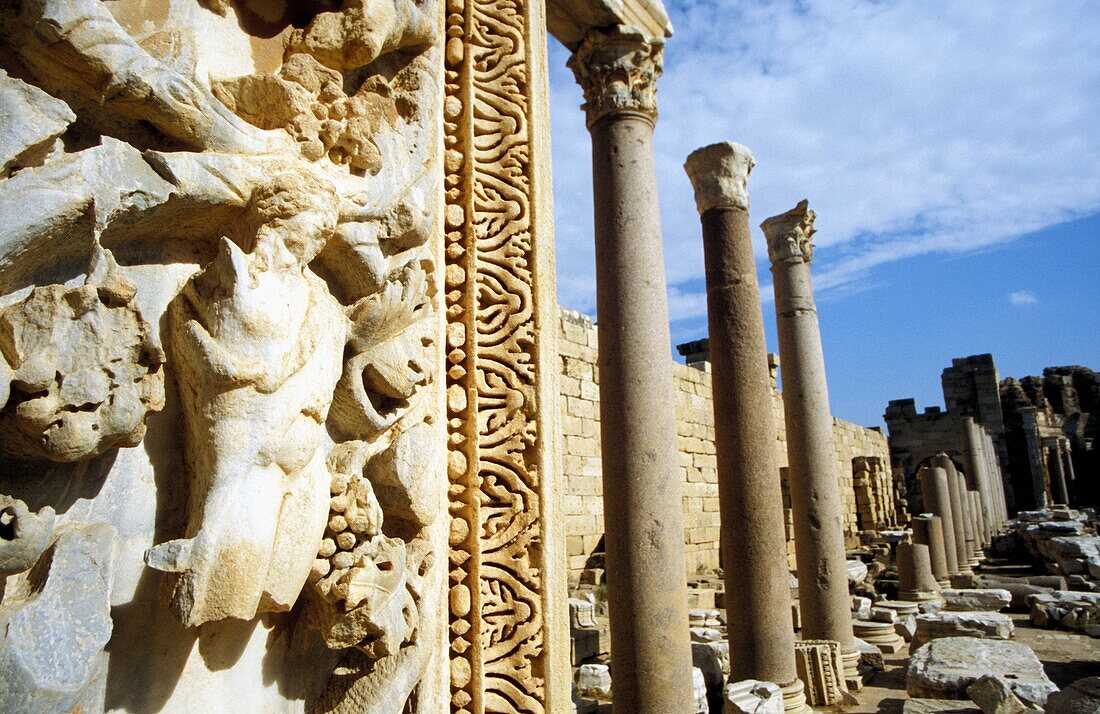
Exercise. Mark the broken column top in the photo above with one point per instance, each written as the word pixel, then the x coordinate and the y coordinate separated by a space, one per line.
pixel 719 174
pixel 789 235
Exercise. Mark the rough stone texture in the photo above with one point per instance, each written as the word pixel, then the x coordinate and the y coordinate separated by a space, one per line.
pixel 31 121
pixel 973 599
pixel 1080 697
pixel 752 696
pixel 944 668
pixel 56 620
pixel 720 174
pixel 993 695
pixel 870 655
pixel 938 706
pixel 992 625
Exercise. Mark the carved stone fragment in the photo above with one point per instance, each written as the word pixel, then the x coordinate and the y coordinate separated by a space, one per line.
pixel 256 339
pixel 84 370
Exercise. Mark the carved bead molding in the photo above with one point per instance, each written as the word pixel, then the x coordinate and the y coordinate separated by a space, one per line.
pixel 618 71
pixel 719 174
pixel 497 445
pixel 789 235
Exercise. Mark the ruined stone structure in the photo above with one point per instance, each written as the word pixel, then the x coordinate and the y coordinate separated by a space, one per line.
pixel 1037 432
pixel 1051 431
pixel 970 392
pixel 582 501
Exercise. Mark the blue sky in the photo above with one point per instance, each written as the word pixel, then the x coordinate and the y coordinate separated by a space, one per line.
pixel 951 151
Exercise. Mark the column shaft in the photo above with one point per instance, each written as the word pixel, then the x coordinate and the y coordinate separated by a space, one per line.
pixel 928 530
pixel 811 451
pixel 937 500
pixel 643 516
pixel 758 598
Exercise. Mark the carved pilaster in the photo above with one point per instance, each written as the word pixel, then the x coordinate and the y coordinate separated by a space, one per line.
pixel 618 71
pixel 790 234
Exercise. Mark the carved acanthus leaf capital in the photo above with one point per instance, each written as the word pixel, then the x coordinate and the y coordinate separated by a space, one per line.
pixel 719 174
pixel 790 234
pixel 618 71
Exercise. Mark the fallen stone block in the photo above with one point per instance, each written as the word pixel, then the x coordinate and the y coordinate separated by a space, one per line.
pixel 752 696
pixel 883 614
pixel 713 660
pixel 705 634
pixel 1081 697
pixel 974 599
pixel 938 706
pixel 857 572
pixel 870 655
pixel 698 692
pixel 861 608
pixel 906 628
pixel 994 695
pixel 582 613
pixel 818 665
pixel 593 681
pixel 944 668
pixel 988 625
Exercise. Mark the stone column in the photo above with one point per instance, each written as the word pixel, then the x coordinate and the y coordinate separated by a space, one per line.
pixel 928 530
pixel 937 500
pixel 916 583
pixel 758 594
pixel 1057 474
pixel 958 520
pixel 643 516
pixel 978 475
pixel 811 452
pixel 979 518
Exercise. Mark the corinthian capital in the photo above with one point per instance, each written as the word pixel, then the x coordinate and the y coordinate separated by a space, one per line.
pixel 719 174
pixel 618 70
pixel 789 235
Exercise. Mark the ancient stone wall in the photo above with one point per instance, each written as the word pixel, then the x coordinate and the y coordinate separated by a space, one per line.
pixel 583 500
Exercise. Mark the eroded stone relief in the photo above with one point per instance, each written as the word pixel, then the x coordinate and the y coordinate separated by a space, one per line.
pixel 219 350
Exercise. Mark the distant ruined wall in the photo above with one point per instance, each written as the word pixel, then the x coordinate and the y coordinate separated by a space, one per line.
pixel 583 489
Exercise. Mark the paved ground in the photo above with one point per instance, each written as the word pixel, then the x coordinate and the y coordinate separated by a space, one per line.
pixel 1066 656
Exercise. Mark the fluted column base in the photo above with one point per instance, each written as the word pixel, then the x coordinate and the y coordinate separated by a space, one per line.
pixel 794 697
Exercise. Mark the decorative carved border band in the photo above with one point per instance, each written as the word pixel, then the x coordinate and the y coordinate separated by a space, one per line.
pixel 496 453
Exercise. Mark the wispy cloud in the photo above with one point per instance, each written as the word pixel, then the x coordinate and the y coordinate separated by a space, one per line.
pixel 1023 297
pixel 914 127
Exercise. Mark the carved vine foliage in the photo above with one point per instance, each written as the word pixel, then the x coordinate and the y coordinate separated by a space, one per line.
pixel 496 561
pixel 228 217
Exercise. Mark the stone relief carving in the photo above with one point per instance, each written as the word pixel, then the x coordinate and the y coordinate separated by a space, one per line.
pixel 268 185
pixel 82 368
pixel 499 656
pixel 790 235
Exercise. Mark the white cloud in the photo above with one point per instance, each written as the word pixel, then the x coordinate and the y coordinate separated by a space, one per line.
pixel 1023 297
pixel 913 127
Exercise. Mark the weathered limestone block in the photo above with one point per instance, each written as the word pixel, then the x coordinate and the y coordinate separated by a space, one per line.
pixel 944 668
pixel 713 660
pixel 938 706
pixel 593 681
pixel 1080 697
pixel 56 620
pixel 857 572
pixel 25 535
pixel 989 625
pixel 975 599
pixel 31 122
pixel 83 367
pixel 582 613
pixel 993 694
pixel 870 655
pixel 698 692
pixel 820 668
pixel 752 696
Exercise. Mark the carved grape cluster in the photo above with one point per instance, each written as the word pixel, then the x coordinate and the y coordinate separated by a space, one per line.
pixel 355 522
